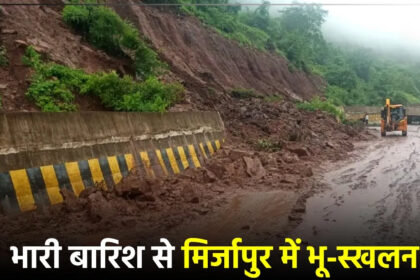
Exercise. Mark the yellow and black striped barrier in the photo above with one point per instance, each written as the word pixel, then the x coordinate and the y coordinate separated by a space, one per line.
pixel 27 189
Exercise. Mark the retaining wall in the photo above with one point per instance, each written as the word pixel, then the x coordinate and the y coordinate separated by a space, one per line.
pixel 41 153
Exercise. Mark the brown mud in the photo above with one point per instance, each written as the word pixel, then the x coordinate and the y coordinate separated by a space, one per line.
pixel 371 199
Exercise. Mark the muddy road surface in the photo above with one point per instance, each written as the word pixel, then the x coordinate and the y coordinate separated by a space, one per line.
pixel 372 198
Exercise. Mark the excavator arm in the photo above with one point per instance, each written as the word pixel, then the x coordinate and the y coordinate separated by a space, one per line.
pixel 394 118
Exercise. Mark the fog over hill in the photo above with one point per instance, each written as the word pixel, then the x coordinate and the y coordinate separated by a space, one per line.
pixel 393 30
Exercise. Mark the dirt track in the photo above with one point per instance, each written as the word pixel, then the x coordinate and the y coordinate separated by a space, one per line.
pixel 374 198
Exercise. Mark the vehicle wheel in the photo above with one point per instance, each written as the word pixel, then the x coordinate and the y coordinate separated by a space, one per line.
pixel 404 133
pixel 383 133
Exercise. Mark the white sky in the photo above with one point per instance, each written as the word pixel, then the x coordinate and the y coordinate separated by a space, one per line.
pixel 385 28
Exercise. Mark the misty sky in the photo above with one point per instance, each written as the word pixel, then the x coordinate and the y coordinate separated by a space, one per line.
pixel 384 28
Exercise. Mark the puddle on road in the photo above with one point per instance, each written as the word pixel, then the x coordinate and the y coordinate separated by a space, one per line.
pixel 373 200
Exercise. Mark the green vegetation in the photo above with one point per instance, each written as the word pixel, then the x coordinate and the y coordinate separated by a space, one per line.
pixel 273 98
pixel 53 88
pixel 322 105
pixel 358 77
pixel 268 145
pixel 225 20
pixel 3 56
pixel 242 93
pixel 355 76
pixel 105 29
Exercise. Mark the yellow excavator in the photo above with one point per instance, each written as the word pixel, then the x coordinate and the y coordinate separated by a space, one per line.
pixel 393 118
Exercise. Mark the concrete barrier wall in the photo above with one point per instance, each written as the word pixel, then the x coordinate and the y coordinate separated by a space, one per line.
pixel 357 112
pixel 41 153
pixel 413 110
pixel 363 109
pixel 373 118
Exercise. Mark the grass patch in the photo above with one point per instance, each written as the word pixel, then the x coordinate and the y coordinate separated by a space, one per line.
pixel 3 57
pixel 316 104
pixel 273 98
pixel 225 20
pixel 106 30
pixel 228 25
pixel 268 145
pixel 53 88
pixel 242 93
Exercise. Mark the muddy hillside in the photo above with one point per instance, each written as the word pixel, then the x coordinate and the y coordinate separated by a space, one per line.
pixel 208 64
pixel 205 59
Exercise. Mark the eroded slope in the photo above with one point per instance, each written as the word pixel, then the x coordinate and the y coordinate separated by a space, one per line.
pixel 203 58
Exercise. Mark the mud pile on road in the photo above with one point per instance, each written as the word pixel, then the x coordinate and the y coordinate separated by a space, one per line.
pixel 157 205
pixel 287 132
pixel 145 206
pixel 270 146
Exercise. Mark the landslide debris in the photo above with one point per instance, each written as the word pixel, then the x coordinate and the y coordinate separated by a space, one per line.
pixel 287 131
pixel 146 207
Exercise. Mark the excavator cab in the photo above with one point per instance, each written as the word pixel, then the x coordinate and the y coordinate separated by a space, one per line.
pixel 393 118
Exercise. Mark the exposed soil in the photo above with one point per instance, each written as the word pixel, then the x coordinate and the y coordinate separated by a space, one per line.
pixel 209 63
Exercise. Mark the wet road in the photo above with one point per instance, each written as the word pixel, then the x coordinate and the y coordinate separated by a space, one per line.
pixel 372 199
